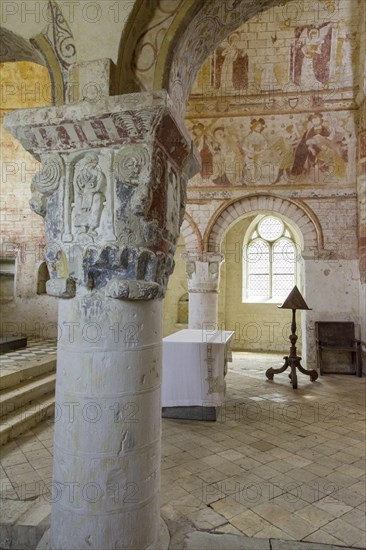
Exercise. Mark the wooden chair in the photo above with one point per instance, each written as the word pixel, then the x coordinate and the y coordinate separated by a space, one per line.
pixel 338 336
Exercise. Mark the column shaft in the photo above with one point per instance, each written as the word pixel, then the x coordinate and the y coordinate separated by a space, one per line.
pixel 202 309
pixel 108 425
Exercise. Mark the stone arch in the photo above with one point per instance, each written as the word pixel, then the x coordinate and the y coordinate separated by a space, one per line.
pixel 295 211
pixel 53 47
pixel 191 234
pixel 15 48
pixel 191 33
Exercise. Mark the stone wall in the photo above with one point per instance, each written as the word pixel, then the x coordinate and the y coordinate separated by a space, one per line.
pixel 177 288
pixel 23 85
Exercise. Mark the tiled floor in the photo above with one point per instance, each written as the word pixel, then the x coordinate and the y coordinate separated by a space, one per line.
pixel 35 349
pixel 279 463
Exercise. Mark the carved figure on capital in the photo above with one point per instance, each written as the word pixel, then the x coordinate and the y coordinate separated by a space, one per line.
pixel 89 198
pixel 113 206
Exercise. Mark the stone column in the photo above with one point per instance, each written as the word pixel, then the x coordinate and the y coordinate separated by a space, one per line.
pixel 203 271
pixel 112 192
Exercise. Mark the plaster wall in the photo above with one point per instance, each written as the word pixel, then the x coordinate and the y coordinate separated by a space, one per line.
pixel 22 233
pixel 333 292
pixel 96 26
pixel 177 286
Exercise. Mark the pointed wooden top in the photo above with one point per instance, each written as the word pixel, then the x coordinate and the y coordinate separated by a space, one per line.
pixel 294 300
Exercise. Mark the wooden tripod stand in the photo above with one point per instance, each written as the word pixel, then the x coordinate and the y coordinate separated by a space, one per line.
pixel 292 360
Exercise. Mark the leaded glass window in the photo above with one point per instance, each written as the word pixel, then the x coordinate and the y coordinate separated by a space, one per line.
pixel 270 261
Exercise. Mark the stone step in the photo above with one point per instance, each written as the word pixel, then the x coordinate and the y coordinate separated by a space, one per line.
pixel 11 376
pixel 17 396
pixel 25 418
pixel 23 523
pixel 11 343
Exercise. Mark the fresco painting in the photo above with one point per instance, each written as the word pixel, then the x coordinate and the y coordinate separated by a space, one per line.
pixel 313 55
pixel 230 64
pixel 270 150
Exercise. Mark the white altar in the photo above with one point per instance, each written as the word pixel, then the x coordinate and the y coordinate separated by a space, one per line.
pixel 194 369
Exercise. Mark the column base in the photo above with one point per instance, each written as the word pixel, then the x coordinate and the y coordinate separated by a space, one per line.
pixel 162 544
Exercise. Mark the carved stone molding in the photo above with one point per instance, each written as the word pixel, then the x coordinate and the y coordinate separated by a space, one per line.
pixel 112 192
pixel 203 271
pixel 57 46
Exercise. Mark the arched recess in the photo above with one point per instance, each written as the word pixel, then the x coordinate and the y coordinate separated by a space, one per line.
pixel 16 48
pixel 53 48
pixel 296 212
pixel 191 234
pixel 190 35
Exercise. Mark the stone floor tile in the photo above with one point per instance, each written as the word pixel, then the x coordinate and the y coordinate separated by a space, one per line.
pixel 343 531
pixel 356 518
pixel 270 512
pixel 324 537
pixel 300 474
pixel 295 526
pixel 336 508
pixel 206 519
pixel 12 457
pixel 290 504
pixel 18 470
pixel 211 475
pixel 359 487
pixel 45 473
pixel 315 515
pixel 200 452
pixel 341 479
pixel 210 541
pixel 42 463
pixel 273 532
pixel 228 507
pixel 196 466
pixel 248 463
pixel 349 497
pixel 231 455
pixel 190 483
pixel 317 469
pixel 249 523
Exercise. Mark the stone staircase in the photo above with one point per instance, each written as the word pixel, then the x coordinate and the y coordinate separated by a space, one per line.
pixel 27 388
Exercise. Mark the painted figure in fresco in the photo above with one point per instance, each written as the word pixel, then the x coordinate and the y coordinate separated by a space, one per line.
pixel 234 70
pixel 89 198
pixel 203 144
pixel 227 158
pixel 310 145
pixel 286 147
pixel 230 65
pixel 311 55
pixel 255 143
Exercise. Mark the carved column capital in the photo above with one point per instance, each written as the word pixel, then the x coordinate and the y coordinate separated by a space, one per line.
pixel 112 192
pixel 203 271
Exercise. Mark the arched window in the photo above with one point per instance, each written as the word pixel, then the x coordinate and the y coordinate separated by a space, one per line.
pixel 270 253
